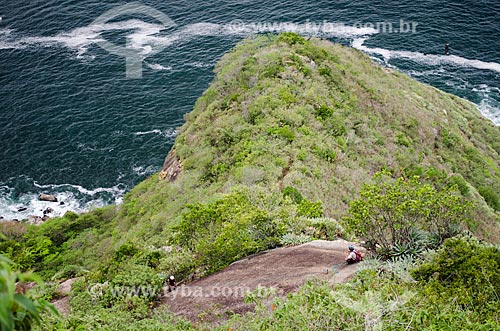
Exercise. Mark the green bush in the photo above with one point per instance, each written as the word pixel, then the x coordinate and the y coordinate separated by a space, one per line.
pixel 284 132
pixel 490 196
pixel 226 230
pixel 291 38
pixel 388 213
pixel 310 209
pixel 290 239
pixel 325 228
pixel 292 193
pixel 336 127
pixel 137 280
pixel 464 271
pixel 124 252
pixel 326 154
pixel 323 112
pixel 273 70
pixel 461 184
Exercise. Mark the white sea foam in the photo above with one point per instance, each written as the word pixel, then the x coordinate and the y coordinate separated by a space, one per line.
pixel 490 111
pixel 141 36
pixel 322 29
pixel 198 64
pixel 145 37
pixel 141 171
pixel 5 32
pixel 168 133
pixel 429 59
pixel 490 102
pixel 75 198
pixel 158 67
pixel 81 189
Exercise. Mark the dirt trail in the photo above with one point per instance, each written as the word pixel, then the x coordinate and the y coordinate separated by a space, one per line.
pixel 285 269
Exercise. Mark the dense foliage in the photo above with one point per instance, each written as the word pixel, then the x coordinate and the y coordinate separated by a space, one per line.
pixel 406 216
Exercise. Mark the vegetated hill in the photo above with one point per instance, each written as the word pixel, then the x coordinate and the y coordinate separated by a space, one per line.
pixel 321 118
pixel 272 154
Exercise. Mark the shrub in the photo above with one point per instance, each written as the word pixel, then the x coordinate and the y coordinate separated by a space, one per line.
pixel 336 127
pixel 125 252
pixel 310 209
pixel 325 228
pixel 449 139
pixel 323 112
pixel 460 182
pixel 137 280
pixel 291 38
pixel 273 69
pixel 490 196
pixel 465 271
pixel 291 239
pixel 388 212
pixel 302 155
pixel 403 140
pixel 292 193
pixel 227 229
pixel 284 132
pixel 326 154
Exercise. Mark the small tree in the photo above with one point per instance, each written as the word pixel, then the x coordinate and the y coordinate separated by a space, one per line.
pixel 390 212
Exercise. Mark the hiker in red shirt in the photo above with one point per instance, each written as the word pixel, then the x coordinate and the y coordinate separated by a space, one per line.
pixel 353 255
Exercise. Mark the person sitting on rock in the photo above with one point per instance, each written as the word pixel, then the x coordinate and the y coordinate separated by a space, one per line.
pixel 171 284
pixel 353 256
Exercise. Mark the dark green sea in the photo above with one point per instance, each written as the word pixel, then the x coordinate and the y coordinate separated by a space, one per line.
pixel 74 125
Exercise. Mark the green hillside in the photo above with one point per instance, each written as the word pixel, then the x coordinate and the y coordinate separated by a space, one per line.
pixel 274 153
pixel 323 119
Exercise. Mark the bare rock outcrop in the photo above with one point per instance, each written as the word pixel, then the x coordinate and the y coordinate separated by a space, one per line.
pixel 171 167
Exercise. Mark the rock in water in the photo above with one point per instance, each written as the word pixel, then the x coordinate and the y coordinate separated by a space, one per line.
pixel 48 210
pixel 47 197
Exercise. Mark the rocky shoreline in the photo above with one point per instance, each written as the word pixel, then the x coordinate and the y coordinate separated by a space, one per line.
pixel 35 219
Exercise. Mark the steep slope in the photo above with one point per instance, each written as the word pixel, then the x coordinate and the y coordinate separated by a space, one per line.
pixel 271 155
pixel 323 119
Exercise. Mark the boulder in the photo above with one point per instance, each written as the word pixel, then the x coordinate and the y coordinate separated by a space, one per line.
pixel 48 210
pixel 35 220
pixel 23 287
pixel 47 197
pixel 65 287
pixel 20 209
pixel 171 167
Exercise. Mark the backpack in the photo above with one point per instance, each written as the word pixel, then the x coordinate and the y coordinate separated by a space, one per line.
pixel 359 257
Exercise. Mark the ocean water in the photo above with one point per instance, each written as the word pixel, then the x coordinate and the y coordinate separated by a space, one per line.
pixel 74 125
